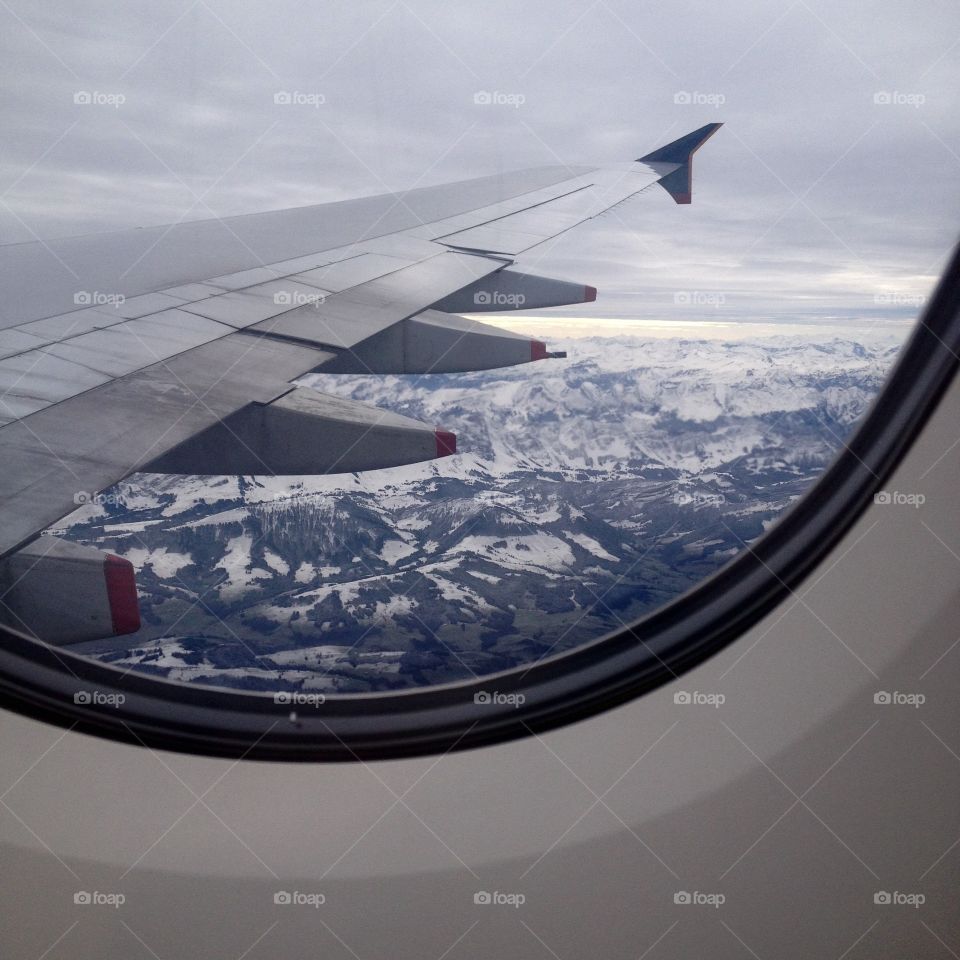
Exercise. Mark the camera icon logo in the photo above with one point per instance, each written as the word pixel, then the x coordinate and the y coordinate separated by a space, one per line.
pixel 282 97
pixel 483 97
pixel 682 96
pixel 482 898
pixel 82 97
pixel 882 497
pixel 882 697
pixel 82 697
pixel 882 898
pixel 682 696
pixel 282 897
pixel 82 897
pixel 481 297
pixel 283 698
pixel 481 696
pixel 682 897
pixel 882 96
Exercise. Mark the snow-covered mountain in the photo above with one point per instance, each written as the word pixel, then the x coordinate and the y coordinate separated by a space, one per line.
pixel 588 492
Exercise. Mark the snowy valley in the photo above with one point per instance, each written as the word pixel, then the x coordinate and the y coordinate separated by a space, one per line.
pixel 588 491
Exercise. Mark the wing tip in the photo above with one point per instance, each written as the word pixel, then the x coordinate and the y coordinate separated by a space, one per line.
pixel 681 149
pixel 678 182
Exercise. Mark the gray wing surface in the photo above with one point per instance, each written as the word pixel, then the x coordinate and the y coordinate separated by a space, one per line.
pixel 175 348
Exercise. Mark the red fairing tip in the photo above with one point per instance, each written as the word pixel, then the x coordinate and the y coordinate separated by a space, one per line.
pixel 538 350
pixel 446 443
pixel 122 594
pixel 589 294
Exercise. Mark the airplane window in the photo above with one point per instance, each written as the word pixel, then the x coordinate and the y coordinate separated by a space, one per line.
pixel 470 414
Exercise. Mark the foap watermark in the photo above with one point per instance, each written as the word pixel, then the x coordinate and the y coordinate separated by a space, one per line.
pixel 895 698
pixel 497 98
pixel 899 98
pixel 297 898
pixel 699 98
pixel 97 898
pixel 897 498
pixel 496 298
pixel 498 699
pixel 82 497
pixel 699 298
pixel 699 899
pixel 296 698
pixel 884 898
pixel 699 699
pixel 97 98
pixel 298 98
pixel 297 298
pixel 700 498
pixel 893 298
pixel 95 298
pixel 97 698
pixel 497 898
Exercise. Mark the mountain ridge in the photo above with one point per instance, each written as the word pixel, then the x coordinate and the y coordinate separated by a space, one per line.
pixel 592 490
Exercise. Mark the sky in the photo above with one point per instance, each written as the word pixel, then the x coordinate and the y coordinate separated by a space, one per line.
pixel 831 194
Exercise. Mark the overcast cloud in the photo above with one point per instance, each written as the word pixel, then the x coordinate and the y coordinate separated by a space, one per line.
pixel 832 190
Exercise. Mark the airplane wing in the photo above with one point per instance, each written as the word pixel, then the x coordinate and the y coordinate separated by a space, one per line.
pixel 174 349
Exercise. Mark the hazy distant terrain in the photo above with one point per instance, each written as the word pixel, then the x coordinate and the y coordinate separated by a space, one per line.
pixel 589 491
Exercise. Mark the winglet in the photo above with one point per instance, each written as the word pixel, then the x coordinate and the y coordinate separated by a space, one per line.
pixel 678 182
